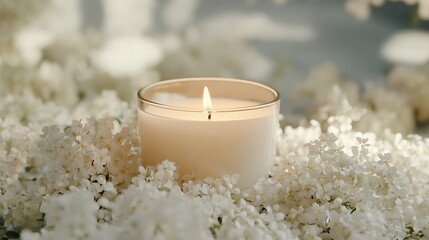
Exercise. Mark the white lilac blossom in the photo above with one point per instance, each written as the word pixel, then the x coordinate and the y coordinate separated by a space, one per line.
pixel 325 93
pixel 329 181
pixel 85 155
pixel 337 184
pixel 340 184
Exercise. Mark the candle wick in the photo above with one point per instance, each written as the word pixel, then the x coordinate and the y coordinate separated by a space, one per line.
pixel 209 117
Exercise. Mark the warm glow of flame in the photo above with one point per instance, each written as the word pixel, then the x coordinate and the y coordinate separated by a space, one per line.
pixel 207 100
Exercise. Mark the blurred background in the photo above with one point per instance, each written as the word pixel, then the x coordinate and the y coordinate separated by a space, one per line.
pixel 302 48
pixel 319 31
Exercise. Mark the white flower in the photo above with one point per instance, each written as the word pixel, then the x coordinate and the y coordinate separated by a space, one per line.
pixel 80 209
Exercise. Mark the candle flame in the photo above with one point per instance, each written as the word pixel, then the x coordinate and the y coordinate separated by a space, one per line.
pixel 207 101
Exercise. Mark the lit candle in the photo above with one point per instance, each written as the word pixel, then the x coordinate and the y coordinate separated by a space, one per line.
pixel 234 131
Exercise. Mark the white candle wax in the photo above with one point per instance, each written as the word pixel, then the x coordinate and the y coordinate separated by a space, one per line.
pixel 229 142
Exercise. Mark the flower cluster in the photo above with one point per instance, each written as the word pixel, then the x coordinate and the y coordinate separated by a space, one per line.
pixel 397 106
pixel 337 184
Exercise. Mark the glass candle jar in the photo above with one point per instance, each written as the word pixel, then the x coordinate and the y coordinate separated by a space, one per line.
pixel 233 131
